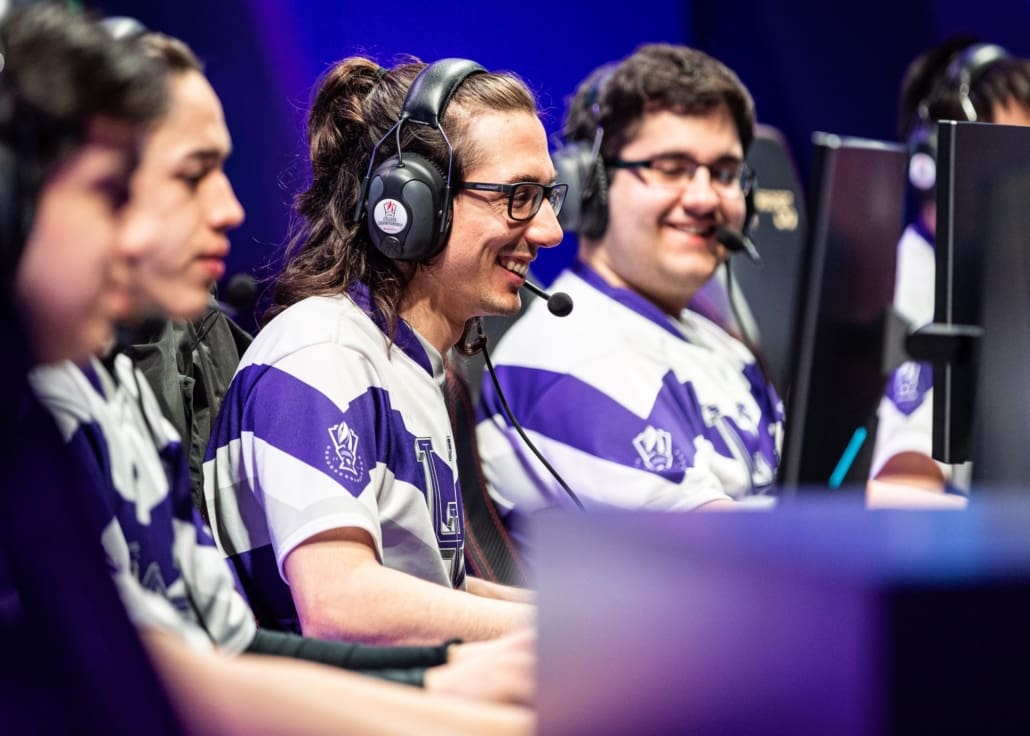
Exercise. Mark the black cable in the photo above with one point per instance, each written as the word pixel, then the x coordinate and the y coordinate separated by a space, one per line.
pixel 745 337
pixel 204 326
pixel 518 428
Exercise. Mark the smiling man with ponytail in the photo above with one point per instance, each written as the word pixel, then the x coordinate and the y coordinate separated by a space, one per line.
pixel 331 477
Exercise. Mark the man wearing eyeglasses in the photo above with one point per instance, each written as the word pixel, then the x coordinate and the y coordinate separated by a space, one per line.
pixel 635 399
pixel 331 476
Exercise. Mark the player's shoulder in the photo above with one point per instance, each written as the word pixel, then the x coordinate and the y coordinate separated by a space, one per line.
pixel 328 324
pixel 72 391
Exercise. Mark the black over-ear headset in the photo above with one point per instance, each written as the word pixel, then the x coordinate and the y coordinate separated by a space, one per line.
pixel 406 199
pixel 580 165
pixel 964 69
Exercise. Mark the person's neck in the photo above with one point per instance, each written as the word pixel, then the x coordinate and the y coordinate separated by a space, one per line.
pixel 425 314
pixel 671 304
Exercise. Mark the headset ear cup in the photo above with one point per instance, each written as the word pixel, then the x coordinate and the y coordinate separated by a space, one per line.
pixel 922 158
pixel 595 203
pixel 405 208
pixel 586 205
pixel 568 166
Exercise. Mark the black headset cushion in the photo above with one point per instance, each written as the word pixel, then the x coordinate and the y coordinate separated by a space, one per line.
pixel 586 206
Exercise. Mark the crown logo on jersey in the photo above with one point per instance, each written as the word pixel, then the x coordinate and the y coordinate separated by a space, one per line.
pixel 655 448
pixel 342 456
pixel 906 383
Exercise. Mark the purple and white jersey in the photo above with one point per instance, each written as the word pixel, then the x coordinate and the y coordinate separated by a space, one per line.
pixel 164 562
pixel 905 414
pixel 325 426
pixel 633 407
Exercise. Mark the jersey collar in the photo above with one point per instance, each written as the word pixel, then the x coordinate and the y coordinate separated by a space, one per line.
pixel 627 298
pixel 409 341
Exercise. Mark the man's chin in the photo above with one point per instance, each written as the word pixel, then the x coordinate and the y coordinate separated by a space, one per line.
pixel 507 305
pixel 121 305
pixel 696 267
pixel 512 307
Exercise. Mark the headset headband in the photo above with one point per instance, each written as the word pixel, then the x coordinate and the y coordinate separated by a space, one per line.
pixel 433 88
pixel 966 68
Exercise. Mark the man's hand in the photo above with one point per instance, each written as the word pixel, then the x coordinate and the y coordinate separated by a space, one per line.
pixel 501 670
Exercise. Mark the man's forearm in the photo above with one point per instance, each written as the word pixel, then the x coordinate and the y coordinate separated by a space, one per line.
pixel 497 591
pixel 378 605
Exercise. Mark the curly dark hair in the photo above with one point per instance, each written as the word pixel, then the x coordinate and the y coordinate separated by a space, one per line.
pixel 655 77
pixel 355 103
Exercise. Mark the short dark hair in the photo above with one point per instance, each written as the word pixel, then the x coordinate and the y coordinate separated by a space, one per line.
pixel 656 77
pixel 926 83
pixel 61 72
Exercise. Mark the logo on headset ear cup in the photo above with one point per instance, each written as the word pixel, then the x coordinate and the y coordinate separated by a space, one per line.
pixel 585 211
pixel 404 209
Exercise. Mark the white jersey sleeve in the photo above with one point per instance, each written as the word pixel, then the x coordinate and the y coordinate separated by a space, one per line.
pixel 326 425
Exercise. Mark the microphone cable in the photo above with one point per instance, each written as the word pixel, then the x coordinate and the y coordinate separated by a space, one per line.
pixel 737 242
pixel 515 422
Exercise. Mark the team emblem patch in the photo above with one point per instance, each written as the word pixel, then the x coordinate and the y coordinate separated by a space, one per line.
pixel 342 454
pixel 654 446
pixel 906 383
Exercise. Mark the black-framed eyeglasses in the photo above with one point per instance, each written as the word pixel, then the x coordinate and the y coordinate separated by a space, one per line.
pixel 728 176
pixel 524 197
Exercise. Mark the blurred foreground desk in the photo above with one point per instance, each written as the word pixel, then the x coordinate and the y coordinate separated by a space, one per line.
pixel 811 619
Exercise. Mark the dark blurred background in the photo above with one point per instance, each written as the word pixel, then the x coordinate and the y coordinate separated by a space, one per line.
pixel 810 66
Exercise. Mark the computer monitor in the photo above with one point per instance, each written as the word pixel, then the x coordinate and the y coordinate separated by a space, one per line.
pixel 981 410
pixel 819 617
pixel 856 216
